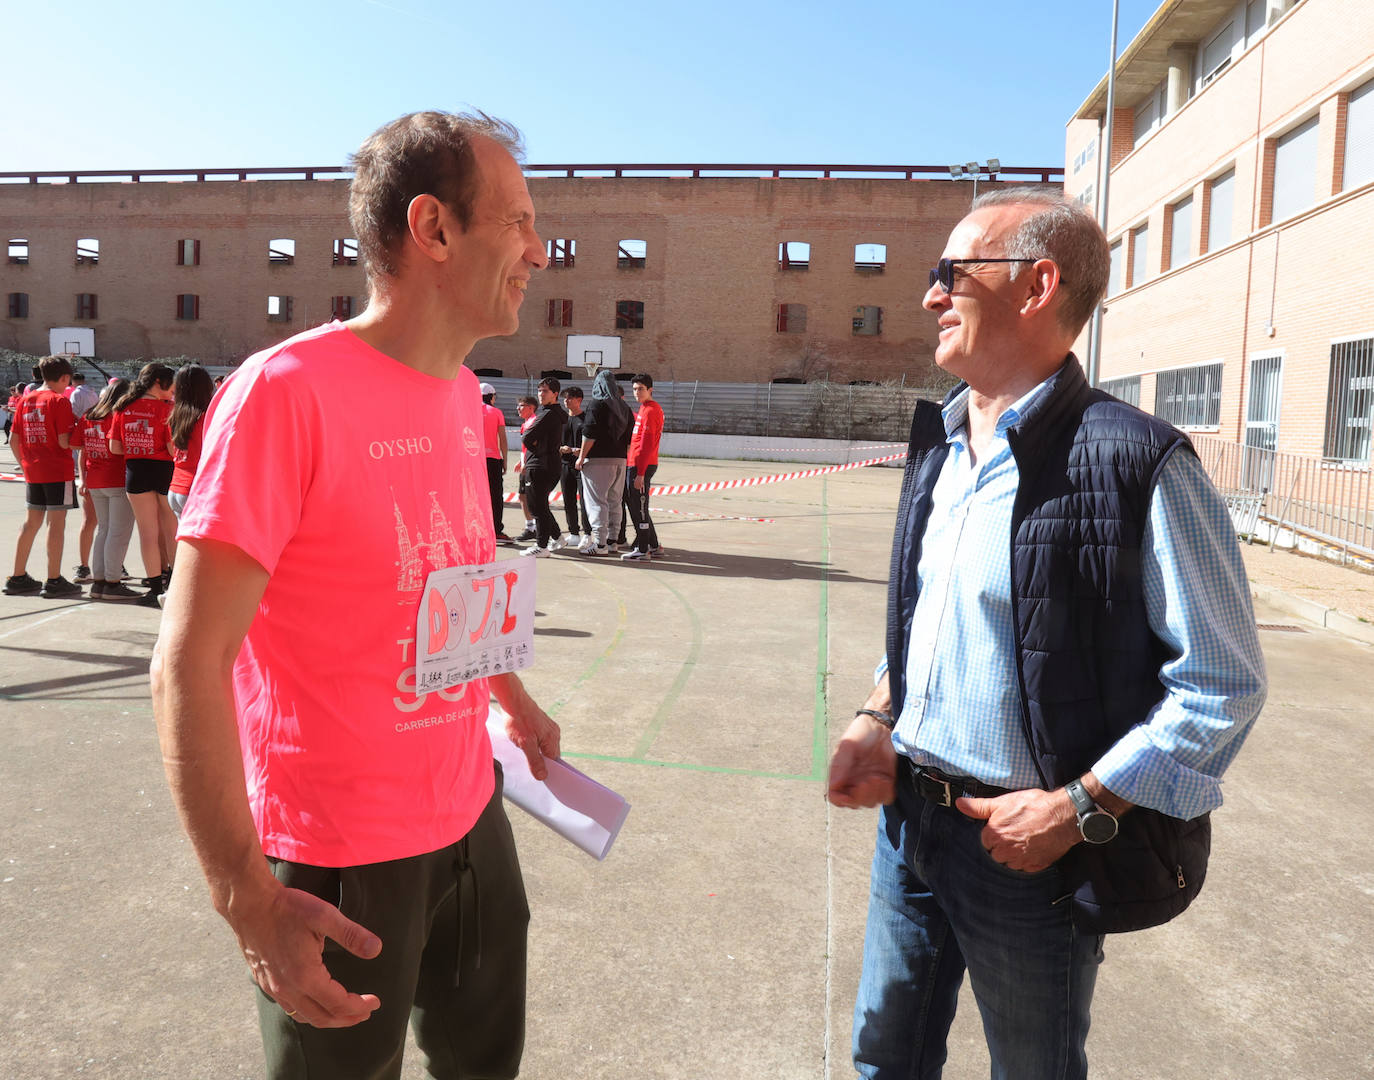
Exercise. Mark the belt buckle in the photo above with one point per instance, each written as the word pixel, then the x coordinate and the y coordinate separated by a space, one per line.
pixel 949 792
pixel 922 774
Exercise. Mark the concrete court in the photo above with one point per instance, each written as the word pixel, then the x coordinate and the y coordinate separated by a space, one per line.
pixel 721 937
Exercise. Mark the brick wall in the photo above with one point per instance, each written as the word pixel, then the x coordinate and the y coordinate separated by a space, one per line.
pixel 710 285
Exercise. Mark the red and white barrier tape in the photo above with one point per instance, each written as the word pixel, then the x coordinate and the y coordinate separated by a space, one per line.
pixel 810 449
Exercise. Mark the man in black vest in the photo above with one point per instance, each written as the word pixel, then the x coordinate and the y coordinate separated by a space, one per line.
pixel 1071 664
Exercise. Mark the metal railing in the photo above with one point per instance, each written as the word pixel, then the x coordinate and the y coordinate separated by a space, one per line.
pixel 1331 501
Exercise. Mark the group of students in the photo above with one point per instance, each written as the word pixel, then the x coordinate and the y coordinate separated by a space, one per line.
pixel 601 453
pixel 129 458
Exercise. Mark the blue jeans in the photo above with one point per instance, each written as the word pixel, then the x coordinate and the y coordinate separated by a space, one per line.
pixel 939 904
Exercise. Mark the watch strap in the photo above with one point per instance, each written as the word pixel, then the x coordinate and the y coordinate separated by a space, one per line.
pixel 884 718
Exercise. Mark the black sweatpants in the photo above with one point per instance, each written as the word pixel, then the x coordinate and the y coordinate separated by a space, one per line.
pixel 573 502
pixel 495 481
pixel 453 925
pixel 637 509
pixel 539 484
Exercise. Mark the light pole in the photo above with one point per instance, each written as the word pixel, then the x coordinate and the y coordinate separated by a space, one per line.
pixel 973 170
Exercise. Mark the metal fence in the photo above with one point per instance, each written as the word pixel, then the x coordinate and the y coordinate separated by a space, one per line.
pixel 1328 500
pixel 818 410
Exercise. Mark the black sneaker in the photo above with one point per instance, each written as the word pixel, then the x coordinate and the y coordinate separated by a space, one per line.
pixel 97 590
pixel 83 575
pixel 22 585
pixel 116 590
pixel 59 588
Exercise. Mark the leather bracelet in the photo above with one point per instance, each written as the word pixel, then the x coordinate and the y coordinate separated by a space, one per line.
pixel 884 718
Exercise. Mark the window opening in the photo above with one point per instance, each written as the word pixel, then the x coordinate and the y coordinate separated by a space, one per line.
pixel 188 252
pixel 870 258
pixel 343 307
pixel 629 314
pixel 281 252
pixel 345 251
pixel 631 254
pixel 560 313
pixel 19 305
pixel 791 318
pixel 868 321
pixel 794 255
pixel 18 252
pixel 1350 401
pixel 86 305
pixel 279 308
pixel 87 251
pixel 561 252
pixel 188 306
pixel 1189 397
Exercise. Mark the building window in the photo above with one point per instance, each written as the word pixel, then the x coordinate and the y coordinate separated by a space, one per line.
pixel 188 306
pixel 343 307
pixel 1221 208
pixel 1350 401
pixel 1359 138
pixel 1189 397
pixel 345 252
pixel 1085 197
pixel 279 308
pixel 629 314
pixel 794 255
pixel 868 321
pixel 559 313
pixel 1255 12
pixel 1216 54
pixel 18 252
pixel 1140 250
pixel 19 305
pixel 1127 389
pixel 870 258
pixel 1086 155
pixel 561 252
pixel 1295 171
pixel 281 252
pixel 87 251
pixel 188 252
pixel 1149 114
pixel 1114 274
pixel 631 254
pixel 86 306
pixel 1180 231
pixel 791 318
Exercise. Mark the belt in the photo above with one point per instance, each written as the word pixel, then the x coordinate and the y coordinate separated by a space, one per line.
pixel 941 789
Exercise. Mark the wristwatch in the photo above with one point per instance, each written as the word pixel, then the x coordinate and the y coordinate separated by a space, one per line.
pixel 1096 825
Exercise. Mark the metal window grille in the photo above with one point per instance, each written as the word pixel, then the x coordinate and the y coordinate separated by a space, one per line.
pixel 629 314
pixel 345 252
pixel 794 255
pixel 791 318
pixel 561 252
pixel 1350 400
pixel 1126 388
pixel 559 313
pixel 1189 397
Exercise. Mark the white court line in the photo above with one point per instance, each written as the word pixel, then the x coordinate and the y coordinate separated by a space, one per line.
pixel 40 622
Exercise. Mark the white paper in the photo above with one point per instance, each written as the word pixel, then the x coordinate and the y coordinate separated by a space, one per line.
pixel 569 802
pixel 474 621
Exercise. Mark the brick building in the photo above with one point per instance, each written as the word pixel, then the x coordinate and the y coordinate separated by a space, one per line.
pixel 746 275
pixel 1241 220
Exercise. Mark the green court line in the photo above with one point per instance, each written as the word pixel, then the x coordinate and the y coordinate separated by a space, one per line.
pixel 651 733
pixel 622 620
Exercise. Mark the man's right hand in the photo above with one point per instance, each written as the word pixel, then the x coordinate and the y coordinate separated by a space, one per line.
pixel 282 938
pixel 863 771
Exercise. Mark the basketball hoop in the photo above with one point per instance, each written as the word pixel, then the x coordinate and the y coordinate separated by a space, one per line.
pixel 591 360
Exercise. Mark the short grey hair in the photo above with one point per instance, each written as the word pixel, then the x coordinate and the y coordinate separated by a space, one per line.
pixel 1064 232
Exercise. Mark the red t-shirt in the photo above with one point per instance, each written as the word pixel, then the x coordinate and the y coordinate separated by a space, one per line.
pixel 101 468
pixel 142 428
pixel 44 415
pixel 345 764
pixel 187 460
pixel 648 432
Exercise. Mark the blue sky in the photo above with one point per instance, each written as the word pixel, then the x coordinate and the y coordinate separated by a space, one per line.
pixel 302 82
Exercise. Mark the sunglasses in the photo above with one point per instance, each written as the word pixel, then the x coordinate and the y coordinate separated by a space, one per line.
pixel 943 272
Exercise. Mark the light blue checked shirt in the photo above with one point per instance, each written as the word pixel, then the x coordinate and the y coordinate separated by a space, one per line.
pixel 962 712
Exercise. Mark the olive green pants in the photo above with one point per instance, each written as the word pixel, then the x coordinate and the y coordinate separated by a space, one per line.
pixel 453 925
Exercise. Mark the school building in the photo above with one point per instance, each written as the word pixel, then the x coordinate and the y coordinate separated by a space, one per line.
pixel 1241 221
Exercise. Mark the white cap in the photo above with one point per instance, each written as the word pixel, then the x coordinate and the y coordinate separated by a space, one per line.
pixel 486 388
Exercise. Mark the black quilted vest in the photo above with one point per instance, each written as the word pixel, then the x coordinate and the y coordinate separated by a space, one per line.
pixel 1087 661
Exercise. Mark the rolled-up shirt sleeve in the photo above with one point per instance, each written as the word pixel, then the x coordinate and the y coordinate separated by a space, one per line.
pixel 1198 602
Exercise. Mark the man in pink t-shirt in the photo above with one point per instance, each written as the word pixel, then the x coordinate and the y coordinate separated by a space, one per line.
pixel 325 794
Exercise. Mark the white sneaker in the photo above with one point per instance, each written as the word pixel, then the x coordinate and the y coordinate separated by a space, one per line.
pixel 537 552
pixel 587 546
pixel 554 544
pixel 635 555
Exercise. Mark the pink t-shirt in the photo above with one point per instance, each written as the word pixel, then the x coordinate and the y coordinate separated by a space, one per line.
pixel 492 423
pixel 348 498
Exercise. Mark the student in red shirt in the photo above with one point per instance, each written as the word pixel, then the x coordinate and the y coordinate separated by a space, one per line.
pixel 141 434
pixel 101 479
pixel 191 391
pixel 641 466
pixel 43 426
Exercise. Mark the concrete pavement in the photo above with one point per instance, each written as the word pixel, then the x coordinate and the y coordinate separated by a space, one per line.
pixel 721 937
